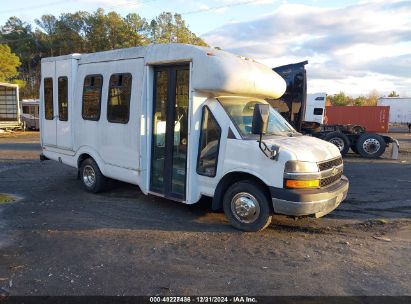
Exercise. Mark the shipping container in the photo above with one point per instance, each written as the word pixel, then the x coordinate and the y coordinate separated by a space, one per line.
pixel 400 108
pixel 372 118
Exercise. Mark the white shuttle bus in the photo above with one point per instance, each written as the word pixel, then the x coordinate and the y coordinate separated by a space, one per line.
pixel 183 121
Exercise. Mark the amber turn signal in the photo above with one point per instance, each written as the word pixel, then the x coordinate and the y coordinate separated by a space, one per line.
pixel 292 183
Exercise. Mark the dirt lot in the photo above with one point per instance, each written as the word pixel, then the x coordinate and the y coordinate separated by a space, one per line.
pixel 59 240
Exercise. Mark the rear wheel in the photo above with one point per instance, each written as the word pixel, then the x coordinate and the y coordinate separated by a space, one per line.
pixel 370 145
pixel 340 140
pixel 91 177
pixel 247 207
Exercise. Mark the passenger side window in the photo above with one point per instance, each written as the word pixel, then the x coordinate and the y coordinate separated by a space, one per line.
pixel 62 89
pixel 48 98
pixel 92 97
pixel 209 145
pixel 118 104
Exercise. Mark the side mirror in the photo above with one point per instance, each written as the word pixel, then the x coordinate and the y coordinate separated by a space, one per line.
pixel 260 118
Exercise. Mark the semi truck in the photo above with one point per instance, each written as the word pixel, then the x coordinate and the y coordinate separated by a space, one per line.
pixel 306 115
pixel 182 122
pixel 9 107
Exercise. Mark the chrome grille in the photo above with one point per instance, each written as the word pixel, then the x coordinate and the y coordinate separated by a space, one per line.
pixel 329 180
pixel 330 163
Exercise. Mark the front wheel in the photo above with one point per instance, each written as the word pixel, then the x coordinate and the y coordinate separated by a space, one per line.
pixel 246 206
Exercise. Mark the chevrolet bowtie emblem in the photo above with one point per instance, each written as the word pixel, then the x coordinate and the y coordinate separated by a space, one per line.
pixel 334 171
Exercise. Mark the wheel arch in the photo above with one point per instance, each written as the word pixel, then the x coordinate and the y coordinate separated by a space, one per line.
pixel 85 153
pixel 229 179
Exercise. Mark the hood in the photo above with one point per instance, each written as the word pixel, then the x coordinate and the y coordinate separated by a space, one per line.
pixel 306 148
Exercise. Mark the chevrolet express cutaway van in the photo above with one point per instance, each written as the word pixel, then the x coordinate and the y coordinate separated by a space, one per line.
pixel 182 122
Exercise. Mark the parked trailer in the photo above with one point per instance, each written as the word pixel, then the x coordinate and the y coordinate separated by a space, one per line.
pixel 370 118
pixel 294 106
pixel 400 109
pixel 9 106
pixel 30 113
pixel 182 122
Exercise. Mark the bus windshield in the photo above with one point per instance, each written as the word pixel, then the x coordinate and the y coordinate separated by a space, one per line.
pixel 241 110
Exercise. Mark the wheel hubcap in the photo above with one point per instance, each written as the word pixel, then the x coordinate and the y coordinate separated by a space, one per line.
pixel 338 142
pixel 89 176
pixel 371 145
pixel 245 207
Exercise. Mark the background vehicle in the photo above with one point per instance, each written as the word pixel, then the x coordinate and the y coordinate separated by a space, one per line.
pixel 30 113
pixel 9 107
pixel 400 109
pixel 307 116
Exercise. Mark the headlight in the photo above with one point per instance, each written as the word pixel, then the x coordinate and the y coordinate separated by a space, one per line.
pixel 295 166
pixel 299 174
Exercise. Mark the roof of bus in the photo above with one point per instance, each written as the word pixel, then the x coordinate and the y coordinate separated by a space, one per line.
pixel 215 72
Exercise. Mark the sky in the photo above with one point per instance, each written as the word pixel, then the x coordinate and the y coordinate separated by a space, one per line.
pixel 351 46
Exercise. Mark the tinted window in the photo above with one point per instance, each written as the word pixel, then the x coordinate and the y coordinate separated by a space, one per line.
pixel 118 104
pixel 318 111
pixel 92 97
pixel 48 98
pixel 209 145
pixel 63 98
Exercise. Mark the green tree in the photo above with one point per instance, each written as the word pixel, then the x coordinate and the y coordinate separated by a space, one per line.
pixel 83 32
pixel 9 62
pixel 137 30
pixel 360 101
pixel 339 99
pixel 393 94
pixel 167 28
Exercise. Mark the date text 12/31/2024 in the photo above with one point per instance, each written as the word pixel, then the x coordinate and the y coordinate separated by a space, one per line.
pixel 205 299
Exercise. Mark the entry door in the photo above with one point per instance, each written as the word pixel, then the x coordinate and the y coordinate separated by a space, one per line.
pixel 169 131
pixel 48 104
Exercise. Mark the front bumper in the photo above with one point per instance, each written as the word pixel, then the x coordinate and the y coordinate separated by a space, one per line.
pixel 317 202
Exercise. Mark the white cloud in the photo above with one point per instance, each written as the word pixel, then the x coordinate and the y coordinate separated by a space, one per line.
pixel 356 48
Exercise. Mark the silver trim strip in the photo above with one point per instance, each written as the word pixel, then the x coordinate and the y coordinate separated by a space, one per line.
pixel 314 175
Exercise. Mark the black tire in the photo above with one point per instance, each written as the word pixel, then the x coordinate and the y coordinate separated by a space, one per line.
pixel 370 145
pixel 91 177
pixel 262 215
pixel 340 140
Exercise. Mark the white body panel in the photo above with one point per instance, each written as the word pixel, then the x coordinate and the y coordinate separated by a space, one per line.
pixel 400 108
pixel 315 108
pixel 123 151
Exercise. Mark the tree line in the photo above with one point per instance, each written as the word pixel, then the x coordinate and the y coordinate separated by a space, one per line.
pixel 341 99
pixel 22 46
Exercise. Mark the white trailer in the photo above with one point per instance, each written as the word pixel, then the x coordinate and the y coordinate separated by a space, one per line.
pixel 182 122
pixel 30 113
pixel 9 106
pixel 400 108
